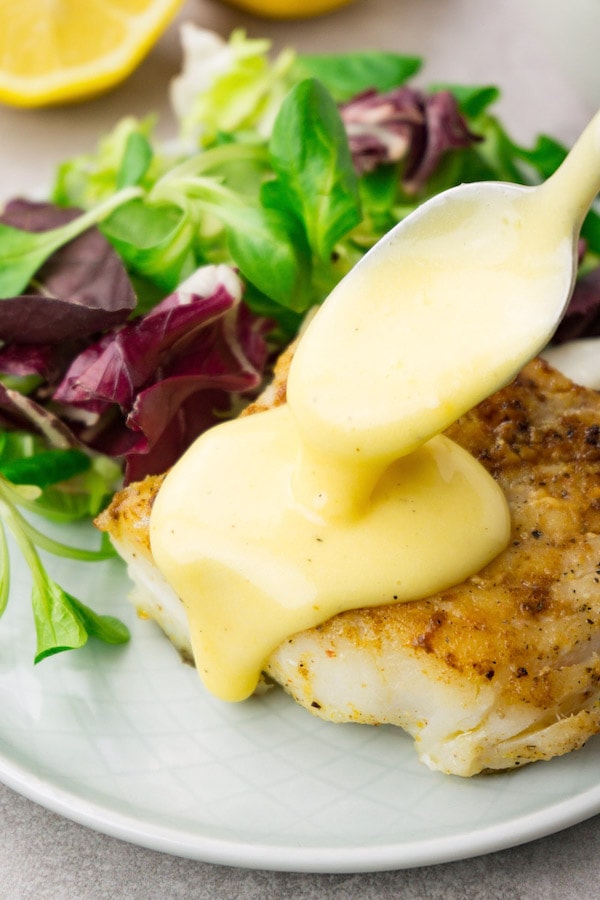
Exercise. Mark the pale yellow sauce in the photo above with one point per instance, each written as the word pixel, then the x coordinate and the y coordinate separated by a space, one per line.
pixel 348 496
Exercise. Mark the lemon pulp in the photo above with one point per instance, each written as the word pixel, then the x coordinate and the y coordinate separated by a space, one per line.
pixel 57 51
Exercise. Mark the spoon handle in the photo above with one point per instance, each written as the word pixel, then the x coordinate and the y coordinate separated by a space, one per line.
pixel 571 190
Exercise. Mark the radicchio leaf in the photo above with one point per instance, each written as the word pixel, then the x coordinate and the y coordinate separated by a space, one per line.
pixel 82 289
pixel 582 317
pixel 444 129
pixel 113 369
pixel 380 126
pixel 48 361
pixel 404 124
pixel 168 416
pixel 150 387
pixel 20 411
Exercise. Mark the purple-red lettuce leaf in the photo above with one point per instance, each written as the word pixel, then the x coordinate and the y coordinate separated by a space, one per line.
pixel 82 289
pixel 582 317
pixel 444 129
pixel 146 390
pixel 105 433
pixel 22 412
pixel 380 127
pixel 113 369
pixel 47 361
pixel 404 124
pixel 168 417
pixel 197 391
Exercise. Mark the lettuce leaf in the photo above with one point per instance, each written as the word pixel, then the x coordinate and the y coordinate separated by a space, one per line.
pixel 150 387
pixel 80 284
pixel 227 86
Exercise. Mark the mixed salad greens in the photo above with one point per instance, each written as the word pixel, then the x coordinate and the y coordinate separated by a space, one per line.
pixel 147 297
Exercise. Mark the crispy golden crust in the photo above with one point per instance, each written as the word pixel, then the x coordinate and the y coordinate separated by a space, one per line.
pixel 128 515
pixel 275 393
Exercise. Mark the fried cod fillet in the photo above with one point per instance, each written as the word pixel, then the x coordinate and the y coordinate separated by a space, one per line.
pixel 497 672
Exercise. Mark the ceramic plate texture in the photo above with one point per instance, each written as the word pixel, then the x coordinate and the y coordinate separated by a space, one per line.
pixel 126 741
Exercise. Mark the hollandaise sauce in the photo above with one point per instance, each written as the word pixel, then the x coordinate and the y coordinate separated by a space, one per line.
pixel 349 495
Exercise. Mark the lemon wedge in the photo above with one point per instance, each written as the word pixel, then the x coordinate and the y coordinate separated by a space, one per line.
pixel 58 51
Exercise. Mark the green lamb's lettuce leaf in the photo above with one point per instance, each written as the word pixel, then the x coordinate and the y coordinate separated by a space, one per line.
pixel 545 156
pixel 71 485
pixel 82 496
pixel 24 252
pixel 315 179
pixel 90 178
pixel 473 100
pixel 378 197
pixel 136 161
pixel 155 240
pixel 45 468
pixel 347 74
pixel 57 625
pixel 106 628
pixel 196 212
pixel 271 251
pixel 81 290
pixel 61 621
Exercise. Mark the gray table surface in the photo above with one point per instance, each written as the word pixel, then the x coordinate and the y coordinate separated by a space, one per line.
pixel 45 856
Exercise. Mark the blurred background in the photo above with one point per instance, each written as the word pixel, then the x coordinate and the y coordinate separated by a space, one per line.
pixel 508 43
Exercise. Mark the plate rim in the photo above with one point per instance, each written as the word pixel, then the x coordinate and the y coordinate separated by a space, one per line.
pixel 351 859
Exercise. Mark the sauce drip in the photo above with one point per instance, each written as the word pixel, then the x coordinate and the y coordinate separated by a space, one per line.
pixel 254 566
